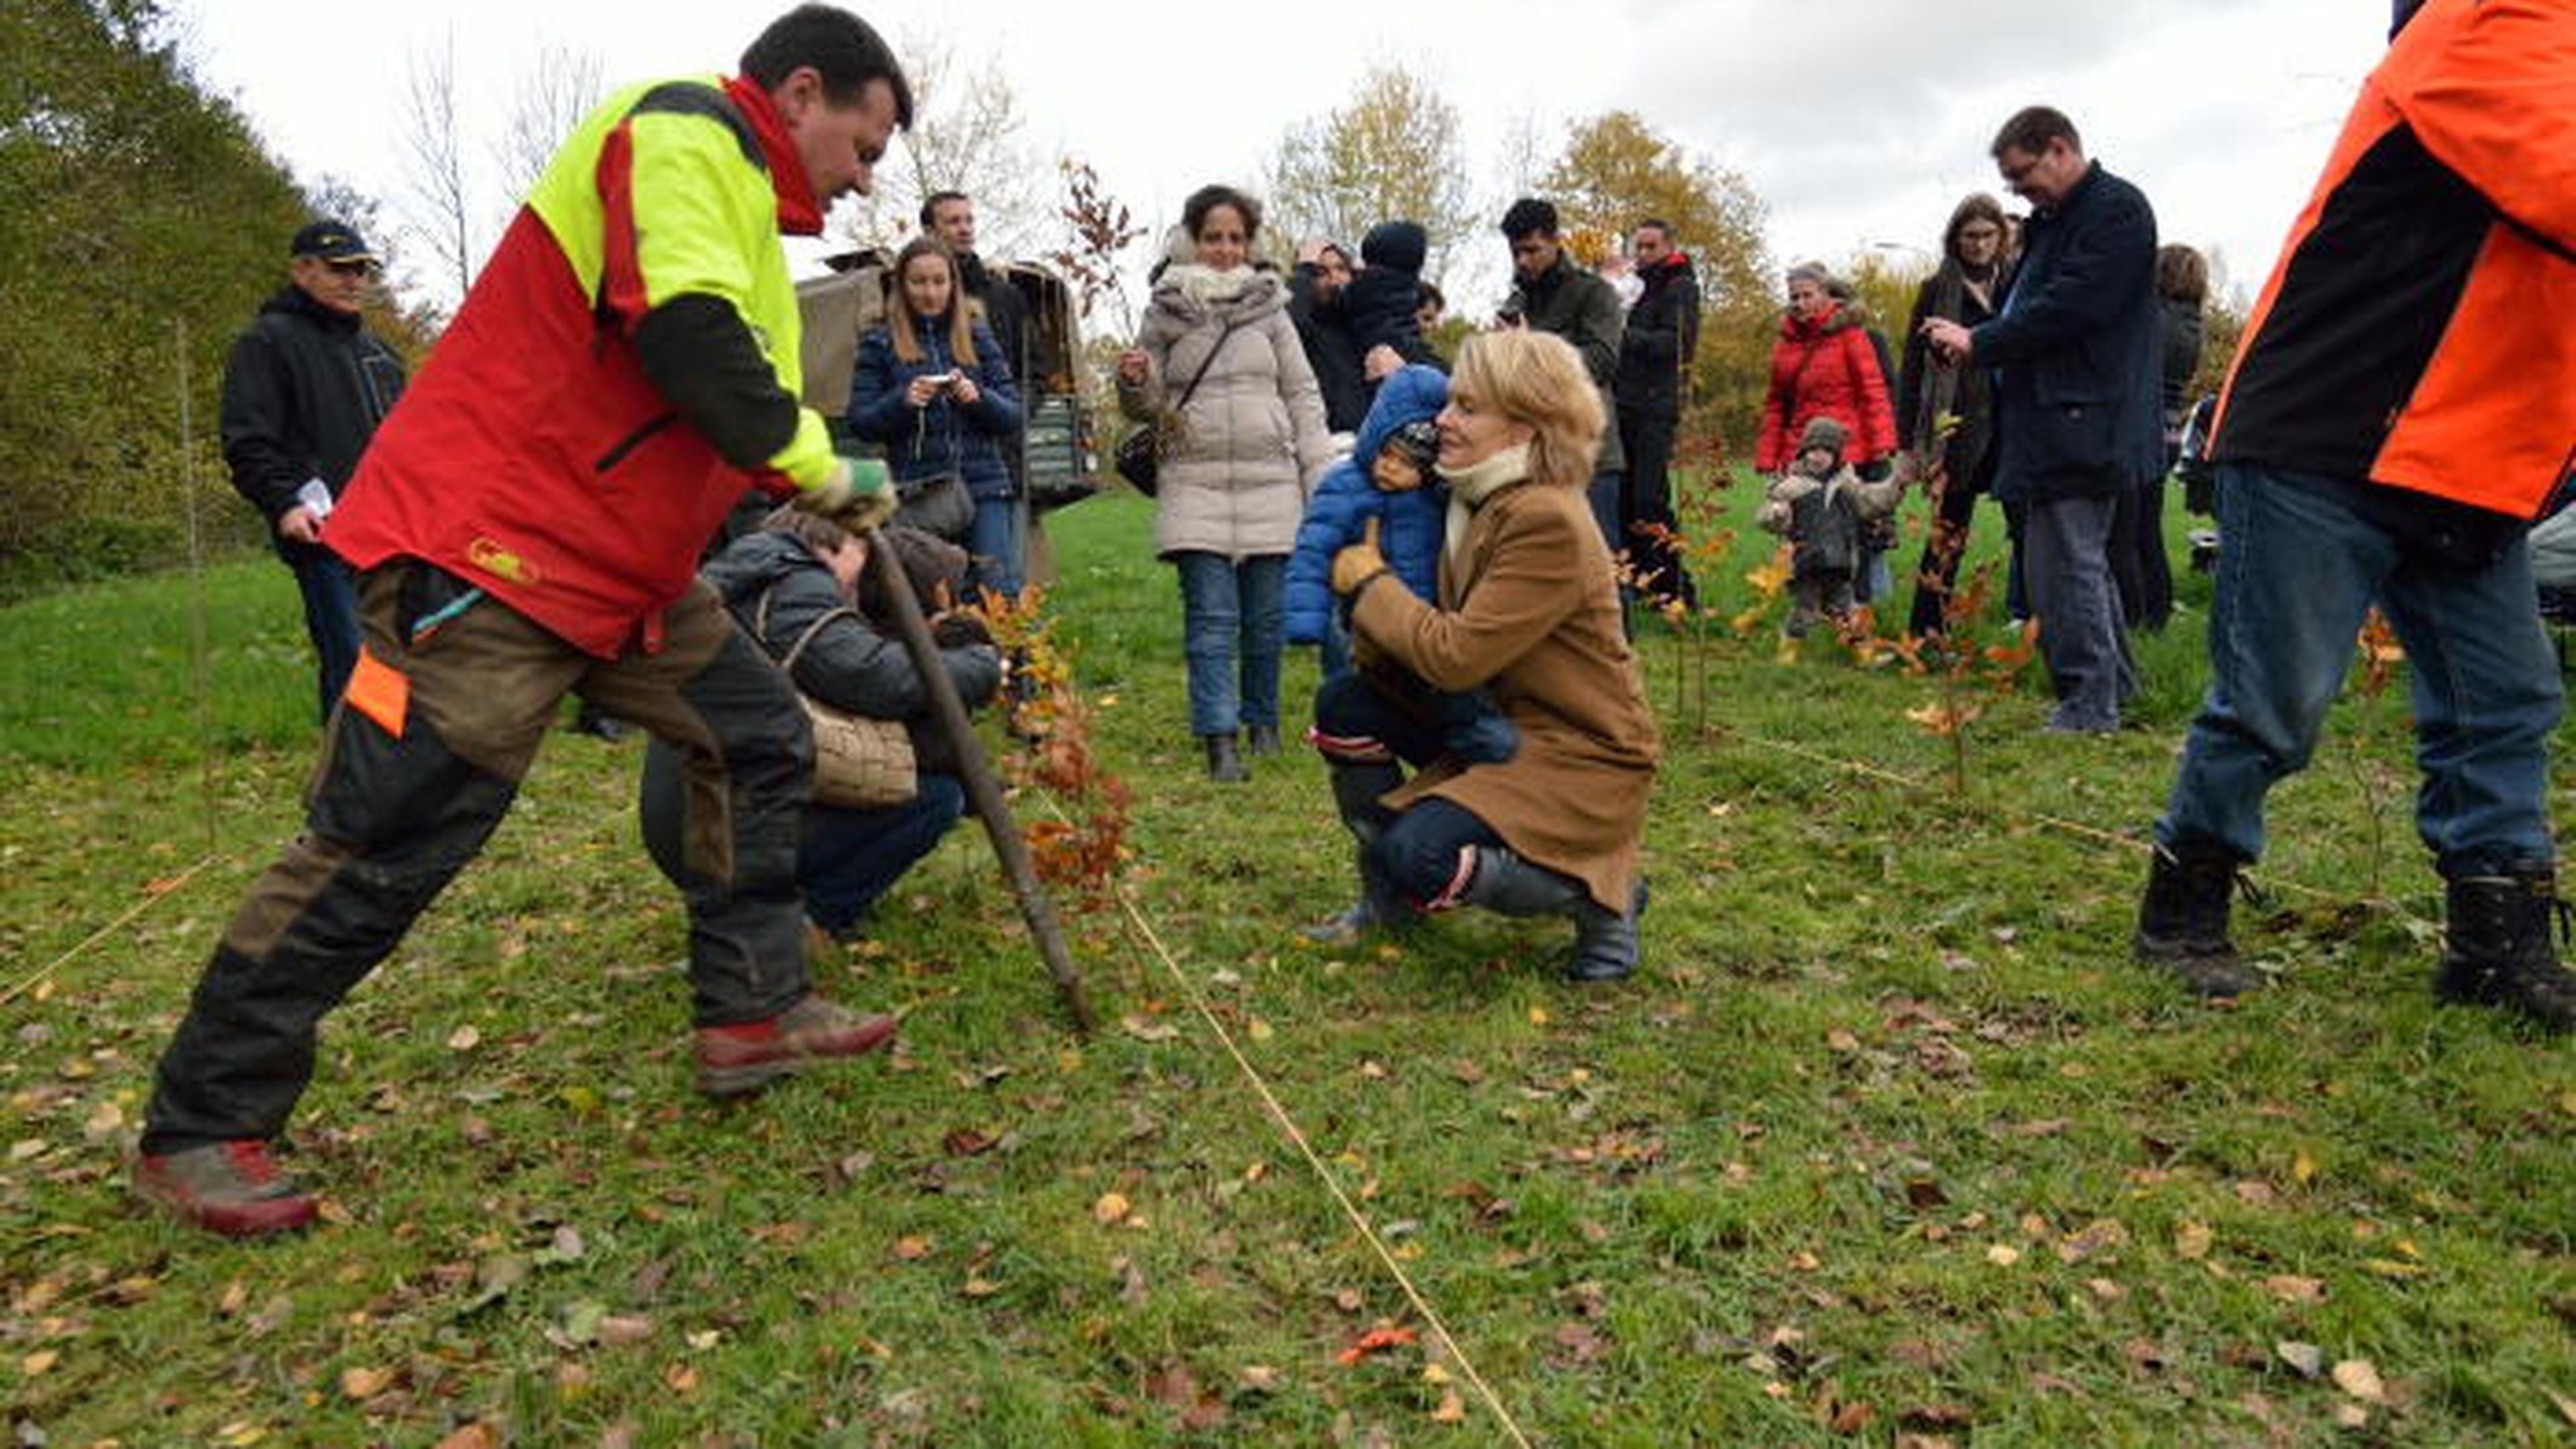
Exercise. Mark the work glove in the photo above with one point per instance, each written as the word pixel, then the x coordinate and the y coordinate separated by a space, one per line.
pixel 856 494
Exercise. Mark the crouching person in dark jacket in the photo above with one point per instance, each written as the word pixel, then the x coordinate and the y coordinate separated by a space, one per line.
pixel 778 582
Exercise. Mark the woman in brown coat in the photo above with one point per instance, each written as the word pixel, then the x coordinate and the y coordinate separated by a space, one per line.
pixel 1529 609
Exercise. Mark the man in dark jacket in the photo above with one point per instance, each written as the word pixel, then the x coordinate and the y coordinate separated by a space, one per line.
pixel 1655 353
pixel 1550 293
pixel 2073 349
pixel 303 391
pixel 2401 406
pixel 1315 287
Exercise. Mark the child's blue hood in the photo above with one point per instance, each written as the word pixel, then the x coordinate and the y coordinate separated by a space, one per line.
pixel 1409 394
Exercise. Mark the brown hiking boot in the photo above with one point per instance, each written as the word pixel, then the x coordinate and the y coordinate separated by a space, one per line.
pixel 230 1188
pixel 733 1060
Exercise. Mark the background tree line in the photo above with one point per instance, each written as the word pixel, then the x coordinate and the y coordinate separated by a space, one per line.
pixel 145 224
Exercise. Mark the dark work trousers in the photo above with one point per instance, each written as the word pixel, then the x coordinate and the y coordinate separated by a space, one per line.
pixel 420 762
pixel 2140 567
pixel 1423 851
pixel 1647 500
pixel 1943 548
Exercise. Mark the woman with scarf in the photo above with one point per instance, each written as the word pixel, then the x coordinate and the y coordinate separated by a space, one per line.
pixel 1218 368
pixel 1528 611
pixel 1928 395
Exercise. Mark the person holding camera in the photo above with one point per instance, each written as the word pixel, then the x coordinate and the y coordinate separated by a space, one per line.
pixel 931 385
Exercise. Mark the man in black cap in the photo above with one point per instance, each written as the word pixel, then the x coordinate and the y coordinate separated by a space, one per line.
pixel 303 391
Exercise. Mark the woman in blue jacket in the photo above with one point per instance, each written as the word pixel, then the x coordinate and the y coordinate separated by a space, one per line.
pixel 932 386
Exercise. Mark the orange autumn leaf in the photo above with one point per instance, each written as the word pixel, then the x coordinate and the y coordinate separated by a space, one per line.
pixel 1376 1340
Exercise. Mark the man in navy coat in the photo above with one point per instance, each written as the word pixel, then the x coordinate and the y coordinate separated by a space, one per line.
pixel 2073 349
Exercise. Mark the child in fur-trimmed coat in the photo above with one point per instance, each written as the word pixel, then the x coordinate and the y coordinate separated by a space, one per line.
pixel 1822 507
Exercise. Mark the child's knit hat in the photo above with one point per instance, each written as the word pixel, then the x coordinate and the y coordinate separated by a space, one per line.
pixel 1824 433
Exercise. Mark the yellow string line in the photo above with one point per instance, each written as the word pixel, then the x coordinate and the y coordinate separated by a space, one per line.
pixel 171 888
pixel 2072 827
pixel 1288 1126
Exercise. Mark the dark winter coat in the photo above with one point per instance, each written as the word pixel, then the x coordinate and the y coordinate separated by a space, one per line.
pixel 2073 350
pixel 850 664
pixel 1660 341
pixel 1576 304
pixel 1825 368
pixel 2179 331
pixel 1925 389
pixel 968 440
pixel 1411 525
pixel 1324 331
pixel 303 392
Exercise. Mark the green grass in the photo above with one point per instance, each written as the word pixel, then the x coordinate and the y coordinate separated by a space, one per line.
pixel 1889 1128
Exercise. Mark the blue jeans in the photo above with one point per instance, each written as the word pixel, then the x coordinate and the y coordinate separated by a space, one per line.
pixel 1231 636
pixel 330 617
pixel 848 858
pixel 1420 850
pixel 2066 566
pixel 1603 495
pixel 993 540
pixel 2298 572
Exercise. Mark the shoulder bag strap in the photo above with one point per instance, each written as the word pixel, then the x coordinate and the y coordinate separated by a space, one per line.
pixel 1204 364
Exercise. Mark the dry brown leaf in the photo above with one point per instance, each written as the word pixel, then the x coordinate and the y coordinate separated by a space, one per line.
pixel 465 1038
pixel 2003 1255
pixel 912 1247
pixel 2192 1240
pixel 1452 1409
pixel 477 1435
pixel 2292 1289
pixel 40 1362
pixel 977 1287
pixel 617 1330
pixel 1852 1419
pixel 2306 1359
pixel 2356 1376
pixel 1110 1208
pixel 365 1383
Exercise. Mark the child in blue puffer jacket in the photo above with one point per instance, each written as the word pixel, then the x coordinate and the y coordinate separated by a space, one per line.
pixel 1389 478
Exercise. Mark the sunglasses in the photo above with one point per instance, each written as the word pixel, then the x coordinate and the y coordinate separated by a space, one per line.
pixel 352 269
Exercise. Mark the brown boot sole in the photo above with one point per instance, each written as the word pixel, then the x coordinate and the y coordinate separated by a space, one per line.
pixel 786 1057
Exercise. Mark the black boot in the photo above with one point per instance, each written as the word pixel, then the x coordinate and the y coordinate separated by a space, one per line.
pixel 2182 919
pixel 1380 906
pixel 1605 942
pixel 2500 952
pixel 1223 764
pixel 1261 740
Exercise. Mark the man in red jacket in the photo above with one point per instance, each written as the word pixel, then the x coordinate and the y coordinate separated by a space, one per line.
pixel 2402 405
pixel 527 524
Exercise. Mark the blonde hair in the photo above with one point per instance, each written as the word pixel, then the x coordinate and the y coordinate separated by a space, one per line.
pixel 899 323
pixel 1537 379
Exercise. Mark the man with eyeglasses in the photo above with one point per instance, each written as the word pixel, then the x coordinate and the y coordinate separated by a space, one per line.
pixel 2078 411
pixel 303 392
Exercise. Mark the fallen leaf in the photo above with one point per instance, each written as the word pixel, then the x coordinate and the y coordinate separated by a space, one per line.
pixel 2306 1359
pixel 2003 1255
pixel 1840 1039
pixel 2356 1377
pixel 1259 1379
pixel 2303 1167
pixel 1110 1208
pixel 2351 1416
pixel 682 1378
pixel 1146 1029
pixel 1452 1409
pixel 617 1330
pixel 1376 1340
pixel 477 1435
pixel 2191 1241
pixel 464 1039
pixel 912 1247
pixel 40 1362
pixel 1852 1419
pixel 980 1287
pixel 1538 1016
pixel 2291 1289
pixel 967 1142
pixel 1259 1030
pixel 365 1383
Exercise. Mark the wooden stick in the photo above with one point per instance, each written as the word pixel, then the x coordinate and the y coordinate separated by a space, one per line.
pixel 983 787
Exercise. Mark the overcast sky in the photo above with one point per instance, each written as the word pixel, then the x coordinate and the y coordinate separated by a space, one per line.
pixel 1859 122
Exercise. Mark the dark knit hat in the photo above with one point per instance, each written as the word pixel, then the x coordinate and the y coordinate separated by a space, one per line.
pixel 1402 245
pixel 1417 443
pixel 1824 433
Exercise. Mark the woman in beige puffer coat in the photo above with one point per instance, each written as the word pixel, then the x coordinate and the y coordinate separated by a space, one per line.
pixel 1236 469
